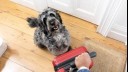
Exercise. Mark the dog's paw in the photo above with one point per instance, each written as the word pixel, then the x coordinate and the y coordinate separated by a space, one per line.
pixel 33 22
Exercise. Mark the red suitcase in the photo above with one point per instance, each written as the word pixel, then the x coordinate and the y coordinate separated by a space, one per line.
pixel 65 62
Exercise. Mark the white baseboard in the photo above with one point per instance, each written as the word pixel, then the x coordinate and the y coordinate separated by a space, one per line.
pixel 26 3
pixel 119 33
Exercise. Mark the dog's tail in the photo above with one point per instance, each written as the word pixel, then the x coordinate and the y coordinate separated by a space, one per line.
pixel 33 22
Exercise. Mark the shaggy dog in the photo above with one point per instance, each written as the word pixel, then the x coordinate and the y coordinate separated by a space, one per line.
pixel 50 32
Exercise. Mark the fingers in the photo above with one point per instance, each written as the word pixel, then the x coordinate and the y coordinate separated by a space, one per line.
pixel 84 55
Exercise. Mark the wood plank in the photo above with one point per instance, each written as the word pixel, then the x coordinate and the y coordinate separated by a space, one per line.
pixel 23 40
pixel 78 22
pixel 8 33
pixel 26 54
pixel 28 59
pixel 10 66
pixel 26 41
pixel 16 23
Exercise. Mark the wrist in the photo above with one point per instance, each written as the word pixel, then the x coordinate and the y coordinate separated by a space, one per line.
pixel 83 67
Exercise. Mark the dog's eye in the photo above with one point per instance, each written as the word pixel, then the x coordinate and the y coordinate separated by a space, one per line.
pixel 52 15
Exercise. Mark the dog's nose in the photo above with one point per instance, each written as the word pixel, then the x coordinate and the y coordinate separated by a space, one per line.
pixel 52 21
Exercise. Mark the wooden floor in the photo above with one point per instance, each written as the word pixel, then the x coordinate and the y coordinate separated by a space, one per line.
pixel 22 55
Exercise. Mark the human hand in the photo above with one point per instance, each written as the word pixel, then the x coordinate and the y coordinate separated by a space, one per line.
pixel 83 60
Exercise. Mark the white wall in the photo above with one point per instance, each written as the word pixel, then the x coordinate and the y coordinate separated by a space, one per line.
pixel 119 27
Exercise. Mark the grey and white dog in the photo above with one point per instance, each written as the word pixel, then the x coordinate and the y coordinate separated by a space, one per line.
pixel 50 32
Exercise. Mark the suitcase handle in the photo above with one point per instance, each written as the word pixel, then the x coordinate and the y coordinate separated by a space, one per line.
pixel 92 54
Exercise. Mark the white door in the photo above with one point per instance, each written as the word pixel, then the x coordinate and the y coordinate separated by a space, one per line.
pixel 90 10
pixel 62 5
pixel 37 5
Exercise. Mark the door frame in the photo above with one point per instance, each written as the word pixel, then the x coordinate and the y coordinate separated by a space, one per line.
pixel 109 17
pixel 106 26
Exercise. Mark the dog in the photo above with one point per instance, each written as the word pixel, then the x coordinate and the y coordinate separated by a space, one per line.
pixel 50 32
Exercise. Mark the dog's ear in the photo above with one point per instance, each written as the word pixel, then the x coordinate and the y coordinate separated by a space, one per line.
pixel 46 31
pixel 42 23
pixel 33 22
pixel 60 19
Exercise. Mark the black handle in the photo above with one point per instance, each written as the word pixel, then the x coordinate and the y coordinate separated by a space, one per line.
pixel 92 54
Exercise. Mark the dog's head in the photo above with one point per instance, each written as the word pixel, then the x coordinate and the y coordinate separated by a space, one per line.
pixel 49 20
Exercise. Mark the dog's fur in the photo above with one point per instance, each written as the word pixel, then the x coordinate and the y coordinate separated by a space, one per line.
pixel 50 32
